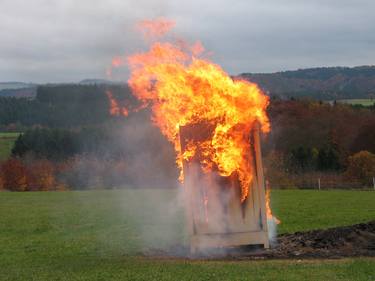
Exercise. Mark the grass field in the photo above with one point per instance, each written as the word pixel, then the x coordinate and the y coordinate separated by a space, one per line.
pixel 6 144
pixel 97 235
pixel 364 102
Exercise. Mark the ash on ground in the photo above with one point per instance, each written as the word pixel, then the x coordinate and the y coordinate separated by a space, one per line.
pixel 338 242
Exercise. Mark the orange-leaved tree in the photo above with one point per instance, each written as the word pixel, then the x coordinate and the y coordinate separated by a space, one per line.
pixel 361 166
pixel 41 175
pixel 14 175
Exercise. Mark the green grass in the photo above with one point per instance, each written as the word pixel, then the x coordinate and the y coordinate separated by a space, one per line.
pixel 364 102
pixel 310 209
pixel 6 143
pixel 97 235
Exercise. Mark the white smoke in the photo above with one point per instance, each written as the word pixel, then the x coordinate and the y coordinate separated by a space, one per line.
pixel 272 230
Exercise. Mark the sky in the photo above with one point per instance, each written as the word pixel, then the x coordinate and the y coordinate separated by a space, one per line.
pixel 70 40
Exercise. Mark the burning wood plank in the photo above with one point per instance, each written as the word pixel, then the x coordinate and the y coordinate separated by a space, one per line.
pixel 216 215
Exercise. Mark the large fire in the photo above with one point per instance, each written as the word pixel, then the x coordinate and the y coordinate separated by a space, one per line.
pixel 183 88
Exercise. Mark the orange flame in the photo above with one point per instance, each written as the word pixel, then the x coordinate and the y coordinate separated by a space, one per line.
pixel 114 108
pixel 155 28
pixel 270 216
pixel 184 88
pixel 117 61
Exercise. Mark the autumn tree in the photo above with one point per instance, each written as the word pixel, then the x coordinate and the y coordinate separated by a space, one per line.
pixel 14 175
pixel 361 166
pixel 41 175
pixel 1 181
pixel 275 170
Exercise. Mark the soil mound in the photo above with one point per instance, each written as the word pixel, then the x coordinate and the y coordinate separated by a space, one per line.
pixel 346 241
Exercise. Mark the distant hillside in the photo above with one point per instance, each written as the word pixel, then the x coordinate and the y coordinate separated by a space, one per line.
pixel 15 85
pixel 19 93
pixel 29 90
pixel 326 83
pixel 17 89
pixel 98 82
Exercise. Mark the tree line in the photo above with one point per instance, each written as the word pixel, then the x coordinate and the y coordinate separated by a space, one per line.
pixel 65 106
pixel 310 137
pixel 70 126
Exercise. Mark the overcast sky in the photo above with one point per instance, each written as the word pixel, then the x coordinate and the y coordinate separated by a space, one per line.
pixel 69 40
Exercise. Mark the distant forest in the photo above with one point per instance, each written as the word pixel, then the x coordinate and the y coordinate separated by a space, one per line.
pixel 62 106
pixel 324 83
pixel 70 138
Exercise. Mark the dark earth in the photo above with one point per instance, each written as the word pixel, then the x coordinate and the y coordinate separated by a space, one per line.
pixel 346 241
pixel 338 242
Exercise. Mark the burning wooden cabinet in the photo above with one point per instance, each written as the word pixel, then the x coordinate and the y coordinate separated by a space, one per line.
pixel 217 214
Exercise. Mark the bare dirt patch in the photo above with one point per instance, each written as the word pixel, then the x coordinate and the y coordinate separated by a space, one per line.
pixel 346 241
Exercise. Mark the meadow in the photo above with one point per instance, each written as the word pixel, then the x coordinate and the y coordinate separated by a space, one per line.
pixel 364 102
pixel 6 143
pixel 100 235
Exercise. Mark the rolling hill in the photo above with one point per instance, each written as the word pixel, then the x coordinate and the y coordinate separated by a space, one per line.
pixel 326 83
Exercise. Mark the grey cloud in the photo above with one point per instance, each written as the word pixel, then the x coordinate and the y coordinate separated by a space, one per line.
pixel 66 40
